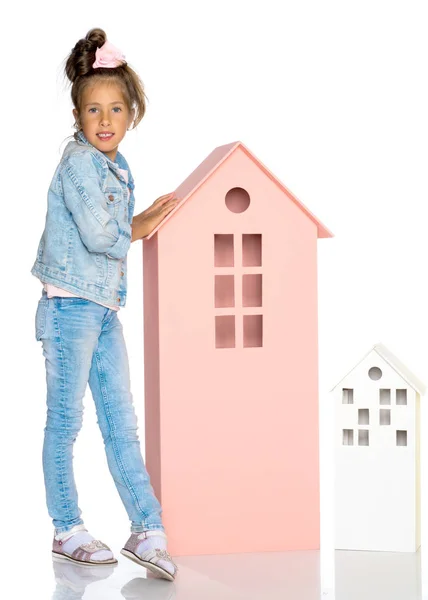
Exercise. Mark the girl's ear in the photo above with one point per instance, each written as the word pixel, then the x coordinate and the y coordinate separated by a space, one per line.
pixel 131 117
pixel 75 115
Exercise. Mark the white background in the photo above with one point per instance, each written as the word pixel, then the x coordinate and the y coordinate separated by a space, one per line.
pixel 332 96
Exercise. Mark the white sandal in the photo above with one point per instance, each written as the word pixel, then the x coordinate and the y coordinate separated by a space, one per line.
pixel 150 558
pixel 82 554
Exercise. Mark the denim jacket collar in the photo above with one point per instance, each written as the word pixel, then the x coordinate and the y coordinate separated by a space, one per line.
pixel 104 159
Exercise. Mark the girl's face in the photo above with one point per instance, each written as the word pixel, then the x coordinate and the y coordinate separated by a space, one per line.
pixel 104 110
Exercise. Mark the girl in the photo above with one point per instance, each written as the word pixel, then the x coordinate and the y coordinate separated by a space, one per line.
pixel 81 261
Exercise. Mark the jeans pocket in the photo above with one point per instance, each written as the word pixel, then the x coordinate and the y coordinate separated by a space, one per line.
pixel 70 301
pixel 40 320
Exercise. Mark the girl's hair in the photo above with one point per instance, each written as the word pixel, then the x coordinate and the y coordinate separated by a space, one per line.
pixel 78 69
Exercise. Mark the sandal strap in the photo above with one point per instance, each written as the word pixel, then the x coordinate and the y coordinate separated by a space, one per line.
pixel 145 534
pixel 85 551
pixel 135 539
pixel 63 537
pixel 154 555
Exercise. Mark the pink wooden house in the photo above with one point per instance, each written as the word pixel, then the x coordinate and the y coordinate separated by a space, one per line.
pixel 231 361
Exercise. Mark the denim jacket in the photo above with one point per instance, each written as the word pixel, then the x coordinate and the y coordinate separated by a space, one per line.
pixel 87 230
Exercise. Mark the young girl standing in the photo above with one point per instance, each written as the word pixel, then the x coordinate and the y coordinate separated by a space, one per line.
pixel 81 261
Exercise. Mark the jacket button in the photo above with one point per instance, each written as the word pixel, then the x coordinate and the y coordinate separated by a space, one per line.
pixel 118 299
pixel 121 273
pixel 111 197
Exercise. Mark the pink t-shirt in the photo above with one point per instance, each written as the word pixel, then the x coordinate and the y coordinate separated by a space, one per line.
pixel 52 290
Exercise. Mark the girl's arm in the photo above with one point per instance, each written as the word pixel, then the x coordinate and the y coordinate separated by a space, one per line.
pixel 140 227
pixel 144 223
pixel 99 231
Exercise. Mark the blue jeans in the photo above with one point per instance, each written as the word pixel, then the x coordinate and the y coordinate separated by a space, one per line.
pixel 83 342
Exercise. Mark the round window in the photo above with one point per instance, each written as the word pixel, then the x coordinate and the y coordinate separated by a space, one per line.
pixel 237 200
pixel 375 373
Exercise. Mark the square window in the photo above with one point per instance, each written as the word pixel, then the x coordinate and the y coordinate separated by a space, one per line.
pixel 253 331
pixel 225 331
pixel 251 250
pixel 252 290
pixel 348 437
pixel 384 396
pixel 347 396
pixel 385 416
pixel 224 291
pixel 401 438
pixel 363 416
pixel 223 250
pixel 401 397
pixel 363 437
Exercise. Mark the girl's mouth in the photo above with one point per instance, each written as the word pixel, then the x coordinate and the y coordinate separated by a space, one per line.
pixel 105 137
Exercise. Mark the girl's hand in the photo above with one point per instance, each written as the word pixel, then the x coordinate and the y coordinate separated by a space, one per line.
pixel 150 218
pixel 160 208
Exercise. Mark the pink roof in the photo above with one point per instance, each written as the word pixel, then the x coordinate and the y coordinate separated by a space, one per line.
pixel 211 163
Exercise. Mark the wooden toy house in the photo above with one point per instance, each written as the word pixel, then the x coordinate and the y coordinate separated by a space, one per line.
pixel 377 449
pixel 378 575
pixel 231 361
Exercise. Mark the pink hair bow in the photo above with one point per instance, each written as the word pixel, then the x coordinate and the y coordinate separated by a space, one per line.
pixel 108 56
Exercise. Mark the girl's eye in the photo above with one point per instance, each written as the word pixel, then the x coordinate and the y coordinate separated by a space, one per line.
pixel 114 108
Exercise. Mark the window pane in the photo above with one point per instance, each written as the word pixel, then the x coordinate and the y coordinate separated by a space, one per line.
pixel 401 397
pixel 253 331
pixel 225 331
pixel 348 437
pixel 384 396
pixel 251 250
pixel 347 396
pixel 363 416
pixel 223 250
pixel 363 437
pixel 401 438
pixel 224 291
pixel 385 416
pixel 252 290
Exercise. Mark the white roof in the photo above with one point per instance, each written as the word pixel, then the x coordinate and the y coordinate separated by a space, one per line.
pixel 396 364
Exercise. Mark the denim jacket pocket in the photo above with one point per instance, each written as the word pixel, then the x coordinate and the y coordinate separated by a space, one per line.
pixel 40 319
pixel 113 198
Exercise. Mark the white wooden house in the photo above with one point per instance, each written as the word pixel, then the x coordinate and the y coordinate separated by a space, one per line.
pixel 377 455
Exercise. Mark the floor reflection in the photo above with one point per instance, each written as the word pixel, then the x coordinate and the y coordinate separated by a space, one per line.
pixel 377 576
pixel 252 576
pixel 72 580
pixel 149 589
pixel 229 577
pixel 272 575
pixel 347 575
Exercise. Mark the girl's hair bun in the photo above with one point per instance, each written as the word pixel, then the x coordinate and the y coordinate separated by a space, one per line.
pixel 82 56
